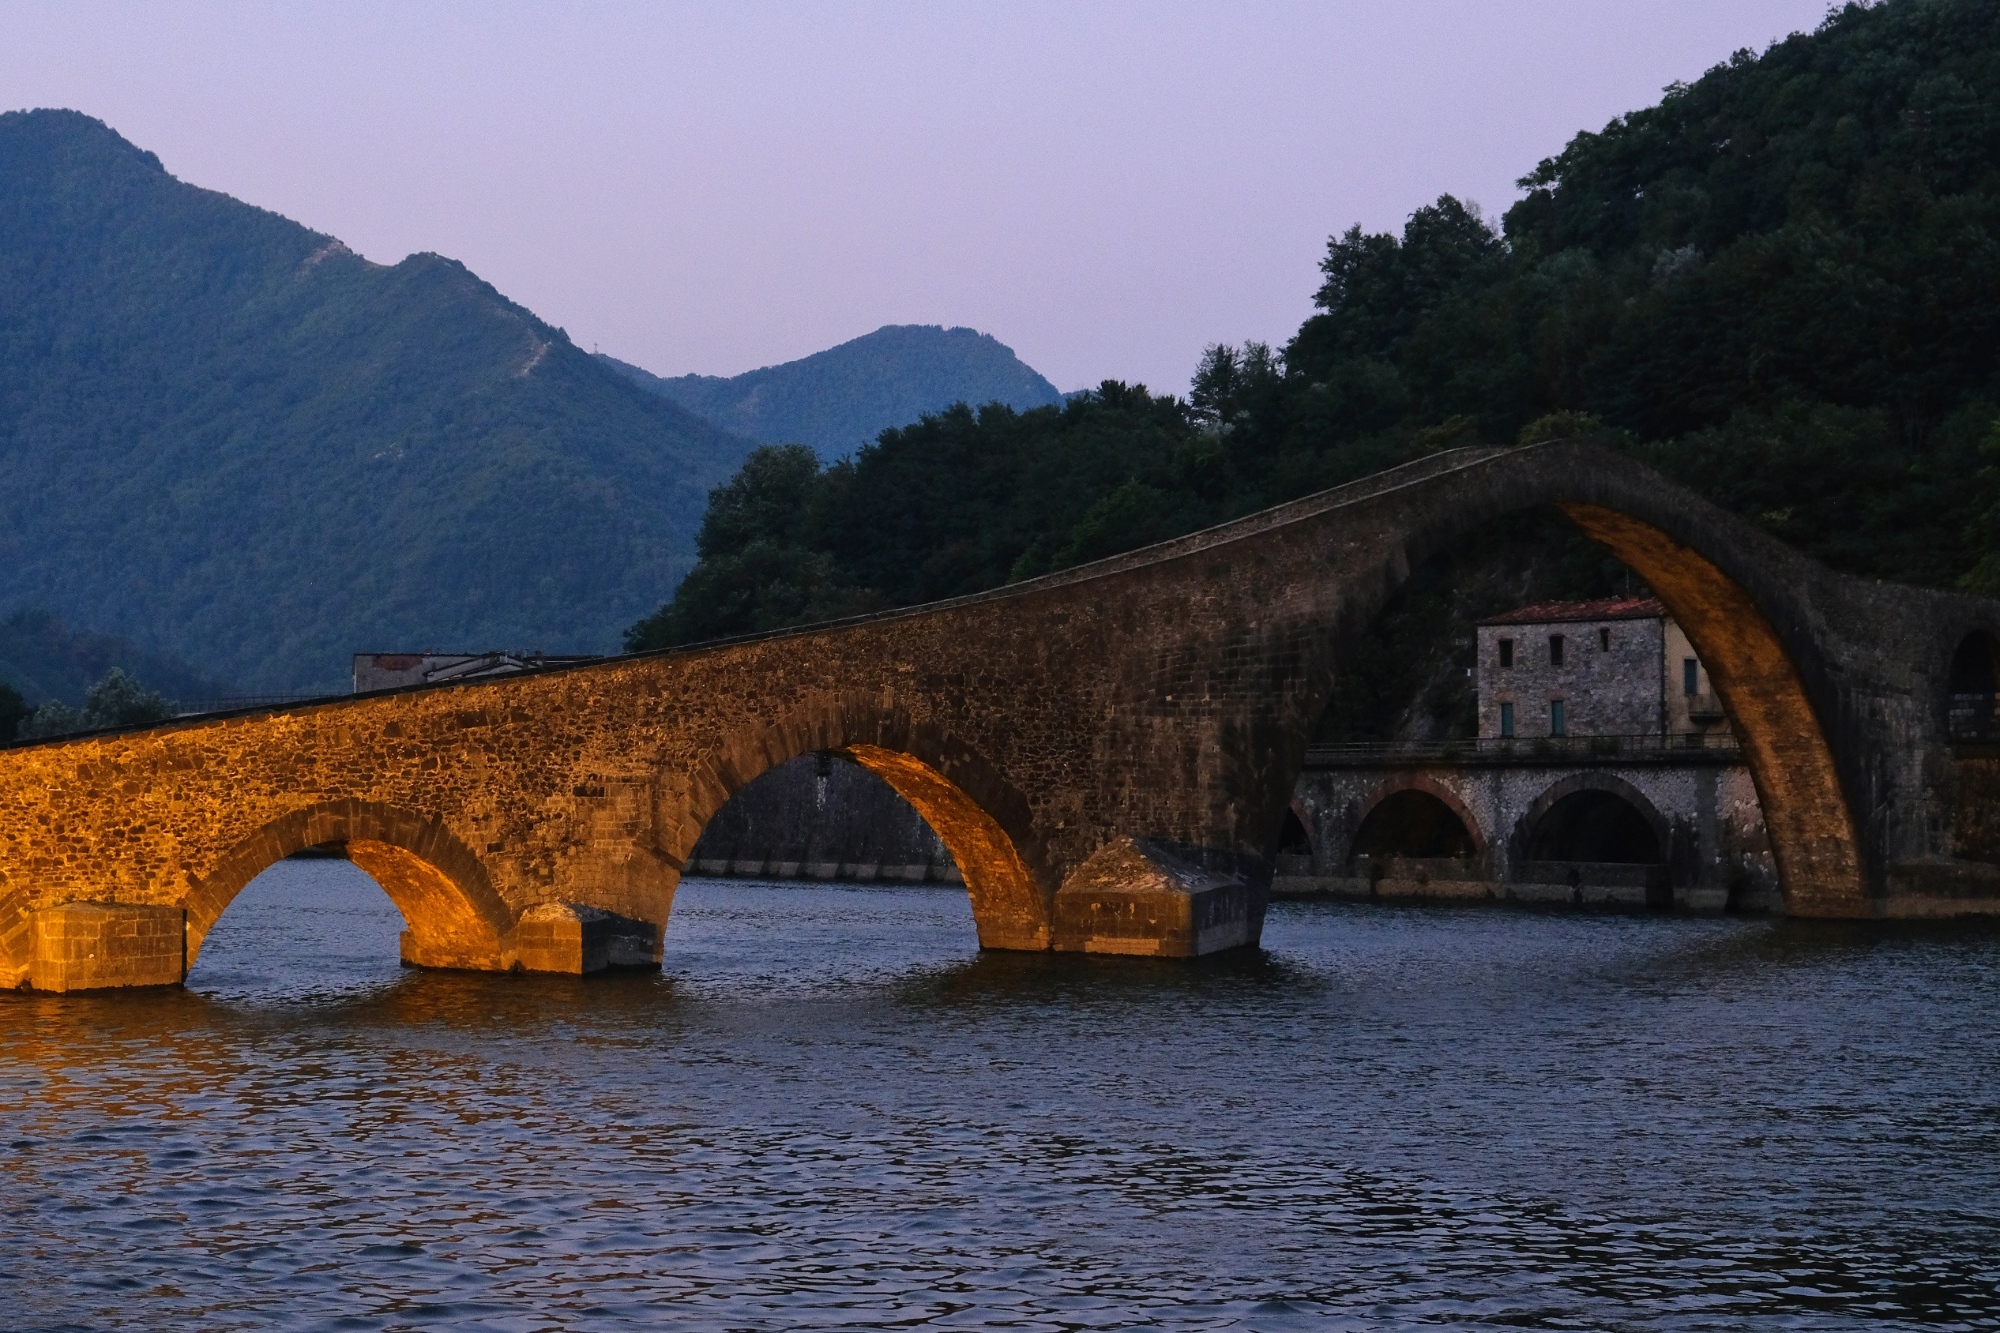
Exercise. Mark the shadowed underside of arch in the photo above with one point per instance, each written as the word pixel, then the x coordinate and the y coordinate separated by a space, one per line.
pixel 1422 785
pixel 1413 823
pixel 956 791
pixel 1812 829
pixel 1010 910
pixel 452 915
pixel 1584 804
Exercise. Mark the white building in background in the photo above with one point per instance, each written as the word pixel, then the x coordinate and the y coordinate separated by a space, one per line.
pixel 392 671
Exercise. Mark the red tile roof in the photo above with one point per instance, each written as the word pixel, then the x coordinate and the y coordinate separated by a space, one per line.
pixel 1608 608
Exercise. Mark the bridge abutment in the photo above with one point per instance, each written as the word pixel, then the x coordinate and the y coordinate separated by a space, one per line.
pixel 576 940
pixel 107 946
pixel 1144 896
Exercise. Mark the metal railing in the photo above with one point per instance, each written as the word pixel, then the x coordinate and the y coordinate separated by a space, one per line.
pixel 1711 746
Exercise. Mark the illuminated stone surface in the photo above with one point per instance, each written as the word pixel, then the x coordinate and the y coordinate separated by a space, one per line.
pixel 94 946
pixel 1140 896
pixel 1164 695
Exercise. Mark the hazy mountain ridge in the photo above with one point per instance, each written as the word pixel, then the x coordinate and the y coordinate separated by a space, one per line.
pixel 232 439
pixel 843 398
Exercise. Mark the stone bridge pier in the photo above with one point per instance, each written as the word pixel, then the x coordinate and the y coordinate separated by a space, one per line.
pixel 1108 753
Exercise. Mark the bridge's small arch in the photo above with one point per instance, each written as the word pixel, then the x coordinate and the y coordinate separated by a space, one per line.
pixel 1416 818
pixel 1972 687
pixel 452 914
pixel 1594 817
pixel 1594 826
pixel 983 823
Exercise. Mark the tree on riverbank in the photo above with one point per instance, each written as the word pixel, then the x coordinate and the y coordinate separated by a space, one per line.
pixel 116 701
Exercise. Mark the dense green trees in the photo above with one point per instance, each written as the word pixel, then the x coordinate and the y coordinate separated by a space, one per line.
pixel 957 502
pixel 1780 285
pixel 116 701
pixel 760 567
pixel 43 659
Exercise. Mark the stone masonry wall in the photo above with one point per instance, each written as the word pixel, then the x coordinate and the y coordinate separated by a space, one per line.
pixel 1607 692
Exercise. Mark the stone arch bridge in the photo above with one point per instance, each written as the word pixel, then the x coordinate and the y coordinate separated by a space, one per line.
pixel 1108 753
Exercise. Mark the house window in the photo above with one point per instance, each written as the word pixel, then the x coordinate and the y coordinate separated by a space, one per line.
pixel 1506 652
pixel 1604 639
pixel 1555 650
pixel 1558 718
pixel 1507 721
pixel 1690 676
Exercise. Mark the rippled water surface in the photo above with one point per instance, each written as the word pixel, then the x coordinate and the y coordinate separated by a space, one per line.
pixel 830 1111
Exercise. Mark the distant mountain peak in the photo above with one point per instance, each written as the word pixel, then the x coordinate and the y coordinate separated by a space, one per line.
pixel 228 436
pixel 842 398
pixel 79 135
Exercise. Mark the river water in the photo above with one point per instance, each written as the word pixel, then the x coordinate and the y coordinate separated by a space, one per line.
pixel 830 1111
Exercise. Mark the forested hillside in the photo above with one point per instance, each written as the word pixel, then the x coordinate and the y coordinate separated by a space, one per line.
pixel 842 398
pixel 42 659
pixel 1781 285
pixel 228 437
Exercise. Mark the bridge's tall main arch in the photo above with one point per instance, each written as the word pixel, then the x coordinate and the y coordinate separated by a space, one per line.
pixel 1813 832
pixel 1730 587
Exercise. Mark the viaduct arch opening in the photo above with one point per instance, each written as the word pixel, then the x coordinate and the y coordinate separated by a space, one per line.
pixel 1972 686
pixel 1294 838
pixel 1416 823
pixel 1603 821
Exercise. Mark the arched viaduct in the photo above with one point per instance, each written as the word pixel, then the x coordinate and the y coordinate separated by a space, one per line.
pixel 1107 752
pixel 1510 825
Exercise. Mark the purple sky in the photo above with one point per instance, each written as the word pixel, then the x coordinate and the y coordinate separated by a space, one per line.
pixel 1105 188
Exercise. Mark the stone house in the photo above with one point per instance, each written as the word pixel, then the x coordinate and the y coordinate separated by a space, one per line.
pixel 1617 667
pixel 1604 772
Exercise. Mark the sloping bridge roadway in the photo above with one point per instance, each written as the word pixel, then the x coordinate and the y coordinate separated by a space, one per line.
pixel 1107 752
